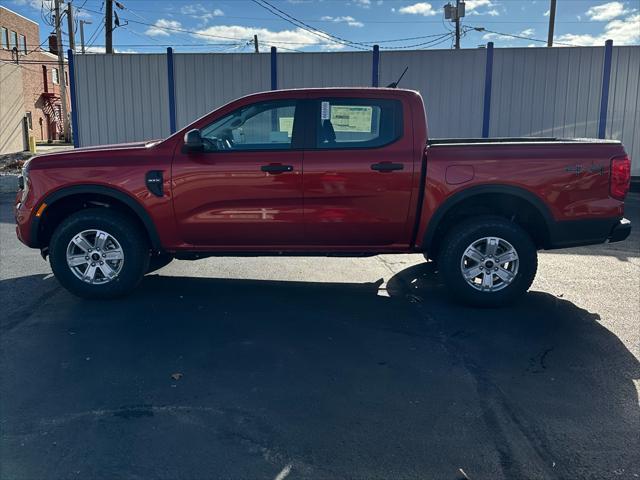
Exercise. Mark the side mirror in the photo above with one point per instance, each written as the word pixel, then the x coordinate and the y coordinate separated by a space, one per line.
pixel 193 141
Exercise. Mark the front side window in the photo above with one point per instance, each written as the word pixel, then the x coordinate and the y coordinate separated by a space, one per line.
pixel 54 76
pixel 358 123
pixel 260 126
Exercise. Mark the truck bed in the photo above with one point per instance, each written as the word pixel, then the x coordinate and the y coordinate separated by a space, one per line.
pixel 435 142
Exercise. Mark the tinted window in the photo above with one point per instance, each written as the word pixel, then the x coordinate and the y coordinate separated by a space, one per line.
pixel 358 123
pixel 261 126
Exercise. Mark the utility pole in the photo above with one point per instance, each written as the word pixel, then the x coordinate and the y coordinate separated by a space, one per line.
pixel 72 40
pixel 82 24
pixel 457 47
pixel 255 43
pixel 552 22
pixel 61 72
pixel 455 14
pixel 108 26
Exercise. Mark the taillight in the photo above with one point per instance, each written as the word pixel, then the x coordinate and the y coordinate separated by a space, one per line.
pixel 620 177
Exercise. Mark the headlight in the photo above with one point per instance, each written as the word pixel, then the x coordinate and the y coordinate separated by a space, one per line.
pixel 23 180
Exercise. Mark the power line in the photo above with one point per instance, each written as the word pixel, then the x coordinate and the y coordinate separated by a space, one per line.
pixel 513 35
pixel 173 29
pixel 432 43
pixel 300 24
pixel 324 35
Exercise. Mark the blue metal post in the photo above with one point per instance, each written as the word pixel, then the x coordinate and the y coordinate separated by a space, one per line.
pixel 604 98
pixel 74 109
pixel 172 91
pixel 375 73
pixel 488 78
pixel 274 68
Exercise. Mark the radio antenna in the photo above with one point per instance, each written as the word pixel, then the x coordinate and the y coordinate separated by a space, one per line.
pixel 395 84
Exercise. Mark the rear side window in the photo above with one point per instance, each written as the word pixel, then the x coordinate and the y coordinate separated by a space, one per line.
pixel 358 123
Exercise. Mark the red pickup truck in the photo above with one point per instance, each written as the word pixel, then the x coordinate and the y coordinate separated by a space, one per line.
pixel 340 171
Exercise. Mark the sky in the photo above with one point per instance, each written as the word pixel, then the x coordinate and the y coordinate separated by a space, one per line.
pixel 337 25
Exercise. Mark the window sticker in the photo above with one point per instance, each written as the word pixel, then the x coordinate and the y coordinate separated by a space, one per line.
pixel 286 125
pixel 325 111
pixel 351 118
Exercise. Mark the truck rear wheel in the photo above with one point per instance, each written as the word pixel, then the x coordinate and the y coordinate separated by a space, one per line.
pixel 99 253
pixel 487 261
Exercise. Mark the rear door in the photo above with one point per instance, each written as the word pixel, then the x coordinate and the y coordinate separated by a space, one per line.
pixel 358 173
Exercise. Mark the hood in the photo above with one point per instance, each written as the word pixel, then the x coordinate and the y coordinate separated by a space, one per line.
pixel 113 146
pixel 54 158
pixel 120 146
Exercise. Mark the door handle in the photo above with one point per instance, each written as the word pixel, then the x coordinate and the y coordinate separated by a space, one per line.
pixel 274 168
pixel 387 166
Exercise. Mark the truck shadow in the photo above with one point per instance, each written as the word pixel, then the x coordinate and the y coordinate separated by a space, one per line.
pixel 337 379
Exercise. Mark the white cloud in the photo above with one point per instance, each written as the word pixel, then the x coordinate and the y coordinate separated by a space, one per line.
pixel 294 39
pixel 420 8
pixel 200 12
pixel 622 31
pixel 92 49
pixel 37 4
pixel 363 3
pixel 547 13
pixel 471 5
pixel 606 11
pixel 496 36
pixel 352 22
pixel 159 28
pixel 197 11
pixel 81 13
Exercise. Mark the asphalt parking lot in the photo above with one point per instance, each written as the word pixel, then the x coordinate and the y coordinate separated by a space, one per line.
pixel 321 368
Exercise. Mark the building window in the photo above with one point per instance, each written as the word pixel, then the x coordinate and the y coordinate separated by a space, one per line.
pixel 66 78
pixel 29 120
pixel 4 38
pixel 13 40
pixel 54 76
pixel 23 44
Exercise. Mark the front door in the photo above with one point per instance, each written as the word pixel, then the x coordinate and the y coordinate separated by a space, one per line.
pixel 245 188
pixel 358 175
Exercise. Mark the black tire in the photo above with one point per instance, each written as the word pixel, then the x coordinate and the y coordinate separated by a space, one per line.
pixel 157 261
pixel 129 235
pixel 460 237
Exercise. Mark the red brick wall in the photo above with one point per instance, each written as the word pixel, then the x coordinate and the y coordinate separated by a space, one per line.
pixel 32 74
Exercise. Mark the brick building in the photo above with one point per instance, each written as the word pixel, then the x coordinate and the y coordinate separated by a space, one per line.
pixel 19 44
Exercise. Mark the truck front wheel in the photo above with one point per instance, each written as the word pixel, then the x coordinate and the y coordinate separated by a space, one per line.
pixel 99 253
pixel 487 261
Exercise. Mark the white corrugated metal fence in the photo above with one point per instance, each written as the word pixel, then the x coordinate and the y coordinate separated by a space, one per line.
pixel 533 91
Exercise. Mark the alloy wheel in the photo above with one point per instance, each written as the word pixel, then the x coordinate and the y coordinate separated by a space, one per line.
pixel 489 264
pixel 95 257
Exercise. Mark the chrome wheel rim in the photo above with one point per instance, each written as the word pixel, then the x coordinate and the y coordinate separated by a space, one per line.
pixel 95 257
pixel 489 264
